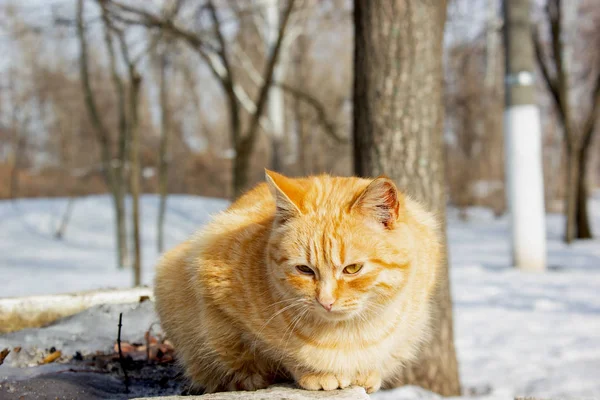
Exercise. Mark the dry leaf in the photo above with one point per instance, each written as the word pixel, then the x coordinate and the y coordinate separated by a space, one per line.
pixel 17 349
pixel 125 347
pixel 3 355
pixel 52 357
pixel 155 351
pixel 150 339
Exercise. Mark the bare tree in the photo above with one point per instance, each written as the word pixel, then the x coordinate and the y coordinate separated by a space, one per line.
pixel 64 221
pixel 132 126
pixel 474 104
pixel 298 109
pixel 577 133
pixel 398 131
pixel 165 138
pixel 302 97
pixel 18 126
pixel 113 168
pixel 216 54
pixel 276 110
pixel 134 132
pixel 292 138
pixel 128 100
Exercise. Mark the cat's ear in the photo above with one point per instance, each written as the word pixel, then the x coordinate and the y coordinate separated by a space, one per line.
pixel 288 195
pixel 381 201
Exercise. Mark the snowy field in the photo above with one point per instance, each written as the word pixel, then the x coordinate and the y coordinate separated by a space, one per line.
pixel 516 333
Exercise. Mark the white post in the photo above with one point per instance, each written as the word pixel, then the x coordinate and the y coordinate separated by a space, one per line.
pixel 525 189
pixel 522 129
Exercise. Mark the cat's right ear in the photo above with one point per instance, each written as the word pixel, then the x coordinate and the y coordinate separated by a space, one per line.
pixel 381 201
pixel 287 193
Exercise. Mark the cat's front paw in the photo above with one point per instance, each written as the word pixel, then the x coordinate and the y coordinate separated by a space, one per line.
pixel 251 381
pixel 323 381
pixel 371 381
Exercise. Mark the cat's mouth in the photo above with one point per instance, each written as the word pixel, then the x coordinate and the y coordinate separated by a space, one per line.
pixel 337 316
pixel 334 314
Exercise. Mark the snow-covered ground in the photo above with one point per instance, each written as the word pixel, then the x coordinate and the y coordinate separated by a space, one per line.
pixel 33 261
pixel 516 333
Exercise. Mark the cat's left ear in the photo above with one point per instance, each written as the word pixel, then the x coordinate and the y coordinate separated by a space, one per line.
pixel 380 200
pixel 288 195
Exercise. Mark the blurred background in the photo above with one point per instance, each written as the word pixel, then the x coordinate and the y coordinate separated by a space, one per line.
pixel 125 124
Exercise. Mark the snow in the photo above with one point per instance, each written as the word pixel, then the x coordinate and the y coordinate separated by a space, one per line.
pixel 517 333
pixel 33 261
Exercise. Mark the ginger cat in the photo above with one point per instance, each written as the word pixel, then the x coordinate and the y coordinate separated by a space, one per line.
pixel 322 280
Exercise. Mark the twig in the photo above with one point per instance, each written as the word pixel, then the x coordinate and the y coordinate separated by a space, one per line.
pixel 328 125
pixel 121 360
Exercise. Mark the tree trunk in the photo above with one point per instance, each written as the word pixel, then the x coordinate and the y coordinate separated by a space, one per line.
pixel 118 196
pixel 163 155
pixel 120 190
pixel 241 163
pixel 64 221
pixel 300 127
pixel 276 109
pixel 135 177
pixel 398 131
pixel 19 143
pixel 571 195
pixel 277 150
pixel 299 70
pixel 584 231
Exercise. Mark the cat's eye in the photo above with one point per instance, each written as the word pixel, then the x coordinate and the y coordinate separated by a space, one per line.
pixel 352 268
pixel 305 269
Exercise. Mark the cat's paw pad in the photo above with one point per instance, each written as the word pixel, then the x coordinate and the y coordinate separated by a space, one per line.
pixel 323 382
pixel 371 381
pixel 248 382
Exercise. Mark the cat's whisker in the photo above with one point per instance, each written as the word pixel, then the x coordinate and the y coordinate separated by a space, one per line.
pixel 279 302
pixel 374 309
pixel 297 302
pixel 291 328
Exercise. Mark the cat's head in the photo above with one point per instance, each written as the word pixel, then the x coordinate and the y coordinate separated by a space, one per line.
pixel 341 246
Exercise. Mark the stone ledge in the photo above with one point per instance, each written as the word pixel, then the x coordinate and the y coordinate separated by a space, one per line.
pixel 276 393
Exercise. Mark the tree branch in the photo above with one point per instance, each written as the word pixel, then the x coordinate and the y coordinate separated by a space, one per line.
pixel 215 59
pixel 119 87
pixel 222 50
pixel 247 64
pixel 553 10
pixel 328 125
pixel 590 122
pixel 227 78
pixel 99 128
pixel 150 20
pixel 249 139
pixel 193 39
pixel 548 79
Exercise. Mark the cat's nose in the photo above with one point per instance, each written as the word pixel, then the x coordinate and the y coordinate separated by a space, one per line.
pixel 326 303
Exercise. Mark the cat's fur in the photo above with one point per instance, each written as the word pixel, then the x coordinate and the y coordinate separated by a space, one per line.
pixel 241 315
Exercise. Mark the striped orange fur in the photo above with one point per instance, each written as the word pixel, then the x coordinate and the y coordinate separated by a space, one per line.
pixel 322 280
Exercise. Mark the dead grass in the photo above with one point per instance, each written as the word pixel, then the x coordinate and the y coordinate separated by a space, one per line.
pixel 14 321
